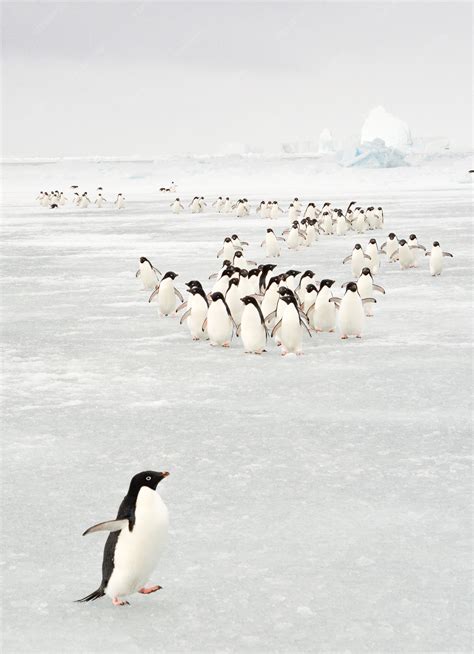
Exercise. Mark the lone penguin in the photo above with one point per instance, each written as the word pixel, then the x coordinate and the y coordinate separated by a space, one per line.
pixel 136 539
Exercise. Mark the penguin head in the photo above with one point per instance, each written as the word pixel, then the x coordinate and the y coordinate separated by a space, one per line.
pixel 215 297
pixel 351 287
pixel 275 202
pixel 366 271
pixel 412 237
pixel 372 241
pixel 238 254
pixel 307 273
pixel 391 236
pixel 193 283
pixel 228 272
pixel 435 244
pixel 170 275
pixel 292 273
pixel 402 242
pixel 295 200
pixel 269 230
pixel 326 282
pixel 244 273
pixel 227 239
pixel 289 299
pixel 148 478
pixel 379 208
pixel 234 236
pixel 248 299
pixel 144 260
pixel 226 263
pixel 291 204
pixel 233 282
pixel 311 288
pixel 357 246
pixel 295 223
pixel 254 272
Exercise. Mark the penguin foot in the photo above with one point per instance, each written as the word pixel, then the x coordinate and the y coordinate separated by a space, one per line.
pixel 358 336
pixel 118 602
pixel 148 591
pixel 343 338
pixel 331 331
pixel 226 344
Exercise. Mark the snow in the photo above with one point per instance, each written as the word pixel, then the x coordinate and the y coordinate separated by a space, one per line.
pixel 318 503
pixel 380 124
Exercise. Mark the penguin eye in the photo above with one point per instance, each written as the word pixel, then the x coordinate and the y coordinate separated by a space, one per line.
pixel 148 478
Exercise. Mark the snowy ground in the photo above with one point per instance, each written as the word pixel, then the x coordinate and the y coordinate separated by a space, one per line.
pixel 318 503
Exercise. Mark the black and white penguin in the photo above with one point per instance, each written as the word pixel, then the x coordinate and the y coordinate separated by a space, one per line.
pixel 357 259
pixel 322 315
pixel 137 538
pixel 390 246
pixel 147 273
pixel 219 322
pixel 436 259
pixel 351 311
pixel 288 329
pixel 252 327
pixel 167 294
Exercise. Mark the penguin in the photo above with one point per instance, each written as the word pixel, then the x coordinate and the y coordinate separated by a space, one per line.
pixel 404 252
pixel 232 298
pixel 351 311
pixel 371 218
pixel 412 241
pixel 176 206
pixel 173 187
pixel 379 218
pixel 241 261
pixel 264 269
pixel 195 205
pixel 252 328
pixel 227 208
pixel 312 231
pixel 271 297
pixel 310 211
pixel 359 224
pixel 147 273
pixel 305 279
pixel 246 286
pixel 120 201
pixel 136 540
pixel 100 201
pixel 293 236
pixel 293 212
pixel 202 203
pixel 267 210
pixel 275 210
pixel 219 204
pixel 229 249
pixel 261 209
pixel 225 264
pixel 326 222
pixel 219 322
pixel 272 248
pixel 222 283
pixel 167 294
pixel 436 259
pixel 289 327
pixel 237 242
pixel 322 315
pixel 357 259
pixel 341 224
pixel 366 288
pixel 254 279
pixel 84 202
pixel 390 246
pixel 40 197
pixel 297 204
pixel 373 252
pixel 62 199
pixel 196 311
pixel 241 210
pixel 311 293
pixel 290 279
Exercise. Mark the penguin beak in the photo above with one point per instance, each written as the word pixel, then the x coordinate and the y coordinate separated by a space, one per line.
pixel 165 474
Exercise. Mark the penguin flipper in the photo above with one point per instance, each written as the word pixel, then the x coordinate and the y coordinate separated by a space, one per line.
pixel 220 252
pixel 185 315
pixel 366 256
pixel 137 274
pixel 182 306
pixel 348 258
pixel 156 270
pixel 394 254
pixel 378 288
pixel 276 328
pixel 368 300
pixel 270 316
pixel 204 325
pixel 157 288
pixel 178 295
pixel 108 525
pixel 213 276
pixel 448 254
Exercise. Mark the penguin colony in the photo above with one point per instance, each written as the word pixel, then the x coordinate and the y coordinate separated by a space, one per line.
pixel 55 199
pixel 259 304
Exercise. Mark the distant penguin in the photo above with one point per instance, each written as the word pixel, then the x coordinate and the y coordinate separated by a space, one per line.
pixel 219 204
pixel 100 201
pixel 293 212
pixel 228 250
pixel 366 288
pixel 238 244
pixel 322 315
pixel 357 259
pixel 293 236
pixel 227 208
pixel 341 224
pixel 120 201
pixel 271 296
pixel 240 260
pixel 436 259
pixel 305 279
pixel 297 203
pixel 166 293
pixel 379 218
pixel 390 247
pixel 232 298
pixel 351 311
pixel 202 203
pixel 195 205
pixel 311 294
pixel 272 248
pixel 196 313
pixel 62 199
pixel 404 253
pixel 136 540
pixel 252 327
pixel 267 210
pixel 275 211
pixel 176 206
pixel 359 225
pixel 310 211
pixel 147 273
pixel 222 283
pixel 173 187
pixel 219 321
pixel 261 209
pixel 289 328
pixel 326 222
pixel 84 202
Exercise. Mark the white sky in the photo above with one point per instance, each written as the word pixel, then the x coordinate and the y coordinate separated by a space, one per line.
pixel 155 78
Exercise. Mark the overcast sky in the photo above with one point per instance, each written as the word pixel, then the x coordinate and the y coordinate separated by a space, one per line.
pixel 147 78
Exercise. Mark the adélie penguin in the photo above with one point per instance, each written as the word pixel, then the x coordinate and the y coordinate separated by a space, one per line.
pixel 366 287
pixel 351 311
pixel 196 311
pixel 289 327
pixel 219 322
pixel 136 540
pixel 147 273
pixel 436 259
pixel 252 327
pixel 167 294
pixel 322 314
pixel 357 259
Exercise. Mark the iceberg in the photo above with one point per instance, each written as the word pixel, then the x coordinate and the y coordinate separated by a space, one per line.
pixel 375 154
pixel 380 124
pixel 326 143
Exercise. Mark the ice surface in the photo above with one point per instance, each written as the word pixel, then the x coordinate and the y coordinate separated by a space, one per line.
pixel 318 503
pixel 326 144
pixel 380 124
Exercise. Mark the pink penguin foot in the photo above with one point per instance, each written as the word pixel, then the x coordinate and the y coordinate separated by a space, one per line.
pixel 147 591
pixel 118 602
pixel 226 344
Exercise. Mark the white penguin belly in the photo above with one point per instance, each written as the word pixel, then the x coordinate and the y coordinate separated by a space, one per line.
pixel 436 262
pixel 148 276
pixel 252 331
pixel 197 318
pixel 357 262
pixel 293 239
pixel 137 552
pixel 166 298
pixel 324 317
pixel 290 331
pixel 351 316
pixel 272 248
pixel 219 325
